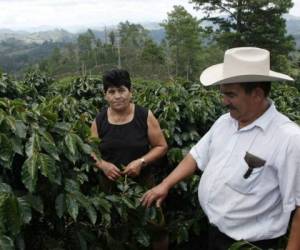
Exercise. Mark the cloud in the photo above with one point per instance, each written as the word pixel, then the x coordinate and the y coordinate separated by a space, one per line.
pixel 21 14
pixel 63 13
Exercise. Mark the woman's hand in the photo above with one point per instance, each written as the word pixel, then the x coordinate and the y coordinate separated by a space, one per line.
pixel 158 194
pixel 133 169
pixel 109 169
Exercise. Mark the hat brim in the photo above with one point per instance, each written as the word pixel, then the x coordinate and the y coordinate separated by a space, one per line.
pixel 214 76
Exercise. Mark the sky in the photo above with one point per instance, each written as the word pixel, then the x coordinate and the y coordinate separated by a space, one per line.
pixel 76 14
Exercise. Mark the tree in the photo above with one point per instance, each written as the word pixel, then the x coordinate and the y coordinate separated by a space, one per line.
pixel 183 35
pixel 112 37
pixel 152 57
pixel 86 43
pixel 56 55
pixel 251 23
pixel 132 41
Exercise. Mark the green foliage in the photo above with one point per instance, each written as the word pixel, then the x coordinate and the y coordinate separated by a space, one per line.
pixel 85 88
pixel 185 112
pixel 36 86
pixel 14 214
pixel 129 46
pixel 135 46
pixel 183 36
pixel 152 56
pixel 39 152
pixel 8 87
pixel 287 100
pixel 251 23
pixel 6 243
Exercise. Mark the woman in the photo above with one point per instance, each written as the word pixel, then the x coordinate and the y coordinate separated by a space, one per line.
pixel 131 137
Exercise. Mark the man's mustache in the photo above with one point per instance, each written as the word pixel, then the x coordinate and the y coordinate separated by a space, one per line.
pixel 230 107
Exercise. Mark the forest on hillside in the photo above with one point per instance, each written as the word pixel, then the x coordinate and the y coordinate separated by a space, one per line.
pixel 186 49
pixel 50 190
pixel 183 46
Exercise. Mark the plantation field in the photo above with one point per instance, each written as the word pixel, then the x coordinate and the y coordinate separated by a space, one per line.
pixel 51 194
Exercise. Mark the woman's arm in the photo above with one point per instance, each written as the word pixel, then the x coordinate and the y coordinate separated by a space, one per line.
pixel 158 149
pixel 157 140
pixel 109 169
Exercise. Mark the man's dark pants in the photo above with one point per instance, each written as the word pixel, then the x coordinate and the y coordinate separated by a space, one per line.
pixel 220 241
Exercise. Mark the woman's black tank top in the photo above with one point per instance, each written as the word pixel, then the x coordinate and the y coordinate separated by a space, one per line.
pixel 121 144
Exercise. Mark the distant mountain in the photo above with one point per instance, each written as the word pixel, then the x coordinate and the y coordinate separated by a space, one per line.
pixel 20 49
pixel 156 34
pixel 291 17
pixel 7 34
pixel 293 28
pixel 56 35
pixel 16 55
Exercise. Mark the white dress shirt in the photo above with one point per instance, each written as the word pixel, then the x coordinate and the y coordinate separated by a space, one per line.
pixel 258 207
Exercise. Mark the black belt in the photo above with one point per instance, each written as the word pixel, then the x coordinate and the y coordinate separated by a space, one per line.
pixel 220 241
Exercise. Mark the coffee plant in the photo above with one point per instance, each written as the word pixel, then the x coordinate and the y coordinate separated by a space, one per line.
pixel 51 194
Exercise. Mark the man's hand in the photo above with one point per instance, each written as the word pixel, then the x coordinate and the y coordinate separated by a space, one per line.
pixel 110 170
pixel 133 169
pixel 294 241
pixel 158 194
pixel 184 169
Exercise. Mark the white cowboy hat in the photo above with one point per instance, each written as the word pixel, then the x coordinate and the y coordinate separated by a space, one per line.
pixel 244 64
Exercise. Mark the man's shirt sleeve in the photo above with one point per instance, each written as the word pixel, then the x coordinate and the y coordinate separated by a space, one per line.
pixel 297 162
pixel 200 152
pixel 289 175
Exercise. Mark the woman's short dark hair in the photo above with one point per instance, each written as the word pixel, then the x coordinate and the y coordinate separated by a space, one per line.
pixel 116 78
pixel 250 86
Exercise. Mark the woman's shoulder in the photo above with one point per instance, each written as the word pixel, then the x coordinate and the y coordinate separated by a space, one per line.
pixel 101 117
pixel 141 115
pixel 102 112
pixel 141 108
pixel 141 111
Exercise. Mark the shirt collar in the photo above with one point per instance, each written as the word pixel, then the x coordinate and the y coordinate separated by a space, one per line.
pixel 264 120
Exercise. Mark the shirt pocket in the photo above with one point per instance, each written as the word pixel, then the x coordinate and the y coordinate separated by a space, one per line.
pixel 245 185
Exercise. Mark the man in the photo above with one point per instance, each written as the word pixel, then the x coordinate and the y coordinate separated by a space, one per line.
pixel 250 158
